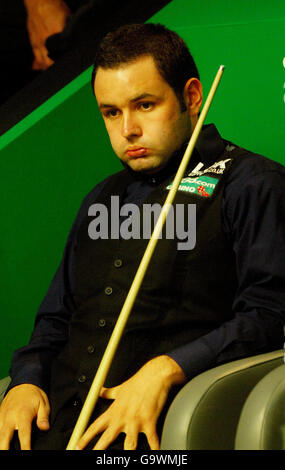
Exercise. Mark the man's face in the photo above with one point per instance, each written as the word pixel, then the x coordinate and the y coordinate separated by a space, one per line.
pixel 141 113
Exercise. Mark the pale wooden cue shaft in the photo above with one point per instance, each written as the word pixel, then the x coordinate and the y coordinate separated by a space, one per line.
pixel 106 361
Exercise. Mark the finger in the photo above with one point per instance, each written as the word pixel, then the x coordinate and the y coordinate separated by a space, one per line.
pixel 24 433
pixel 131 441
pixel 152 438
pixel 96 428
pixel 6 437
pixel 47 60
pixel 107 438
pixel 109 393
pixel 38 61
pixel 43 417
pixel 41 59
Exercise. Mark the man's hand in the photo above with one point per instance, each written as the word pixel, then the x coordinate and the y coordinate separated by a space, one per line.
pixel 21 405
pixel 137 405
pixel 45 18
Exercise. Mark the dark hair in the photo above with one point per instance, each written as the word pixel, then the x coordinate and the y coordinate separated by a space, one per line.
pixel 169 51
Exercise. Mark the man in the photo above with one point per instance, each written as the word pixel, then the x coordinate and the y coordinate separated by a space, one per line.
pixel 219 301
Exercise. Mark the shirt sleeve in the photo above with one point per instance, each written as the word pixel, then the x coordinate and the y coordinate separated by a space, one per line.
pixel 253 214
pixel 32 363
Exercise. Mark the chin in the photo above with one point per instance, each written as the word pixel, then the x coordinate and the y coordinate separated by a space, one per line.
pixel 138 166
pixel 145 169
pixel 145 166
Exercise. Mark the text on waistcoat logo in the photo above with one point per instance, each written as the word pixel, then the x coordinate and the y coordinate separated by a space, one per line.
pixel 218 168
pixel 201 186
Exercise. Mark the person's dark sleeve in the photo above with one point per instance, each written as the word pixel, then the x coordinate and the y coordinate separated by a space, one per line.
pixel 253 218
pixel 75 5
pixel 32 363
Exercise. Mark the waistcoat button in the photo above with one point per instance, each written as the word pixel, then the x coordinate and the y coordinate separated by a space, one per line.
pixel 108 290
pixel 90 349
pixel 101 322
pixel 118 263
pixel 82 378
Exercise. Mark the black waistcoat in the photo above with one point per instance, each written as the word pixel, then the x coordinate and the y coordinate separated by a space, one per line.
pixel 184 295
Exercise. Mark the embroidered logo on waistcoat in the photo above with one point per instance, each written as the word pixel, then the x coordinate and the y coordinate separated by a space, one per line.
pixel 201 186
pixel 218 168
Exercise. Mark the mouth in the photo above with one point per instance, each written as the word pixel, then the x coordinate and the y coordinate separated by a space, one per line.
pixel 136 152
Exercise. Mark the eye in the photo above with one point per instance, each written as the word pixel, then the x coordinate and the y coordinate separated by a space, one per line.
pixel 111 113
pixel 146 105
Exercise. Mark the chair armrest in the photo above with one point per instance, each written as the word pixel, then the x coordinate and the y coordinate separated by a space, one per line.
pixel 262 422
pixel 206 411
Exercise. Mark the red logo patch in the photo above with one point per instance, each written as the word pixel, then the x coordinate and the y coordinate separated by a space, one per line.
pixel 201 190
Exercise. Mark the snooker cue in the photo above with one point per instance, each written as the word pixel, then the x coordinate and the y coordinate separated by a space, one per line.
pixel 110 351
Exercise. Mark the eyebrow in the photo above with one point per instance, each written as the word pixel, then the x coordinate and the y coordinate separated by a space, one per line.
pixel 132 100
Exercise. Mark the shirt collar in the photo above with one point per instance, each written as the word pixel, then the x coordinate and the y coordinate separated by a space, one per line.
pixel 210 144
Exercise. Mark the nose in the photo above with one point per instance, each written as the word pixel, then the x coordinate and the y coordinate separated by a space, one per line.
pixel 130 126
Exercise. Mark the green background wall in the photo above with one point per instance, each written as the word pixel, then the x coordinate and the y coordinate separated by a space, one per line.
pixel 52 159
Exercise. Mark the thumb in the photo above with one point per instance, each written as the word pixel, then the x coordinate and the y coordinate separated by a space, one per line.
pixel 109 393
pixel 43 417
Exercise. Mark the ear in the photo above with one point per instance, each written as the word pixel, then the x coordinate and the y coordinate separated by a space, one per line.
pixel 193 95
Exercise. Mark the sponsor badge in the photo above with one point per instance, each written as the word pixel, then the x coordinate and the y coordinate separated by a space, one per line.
pixel 201 185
